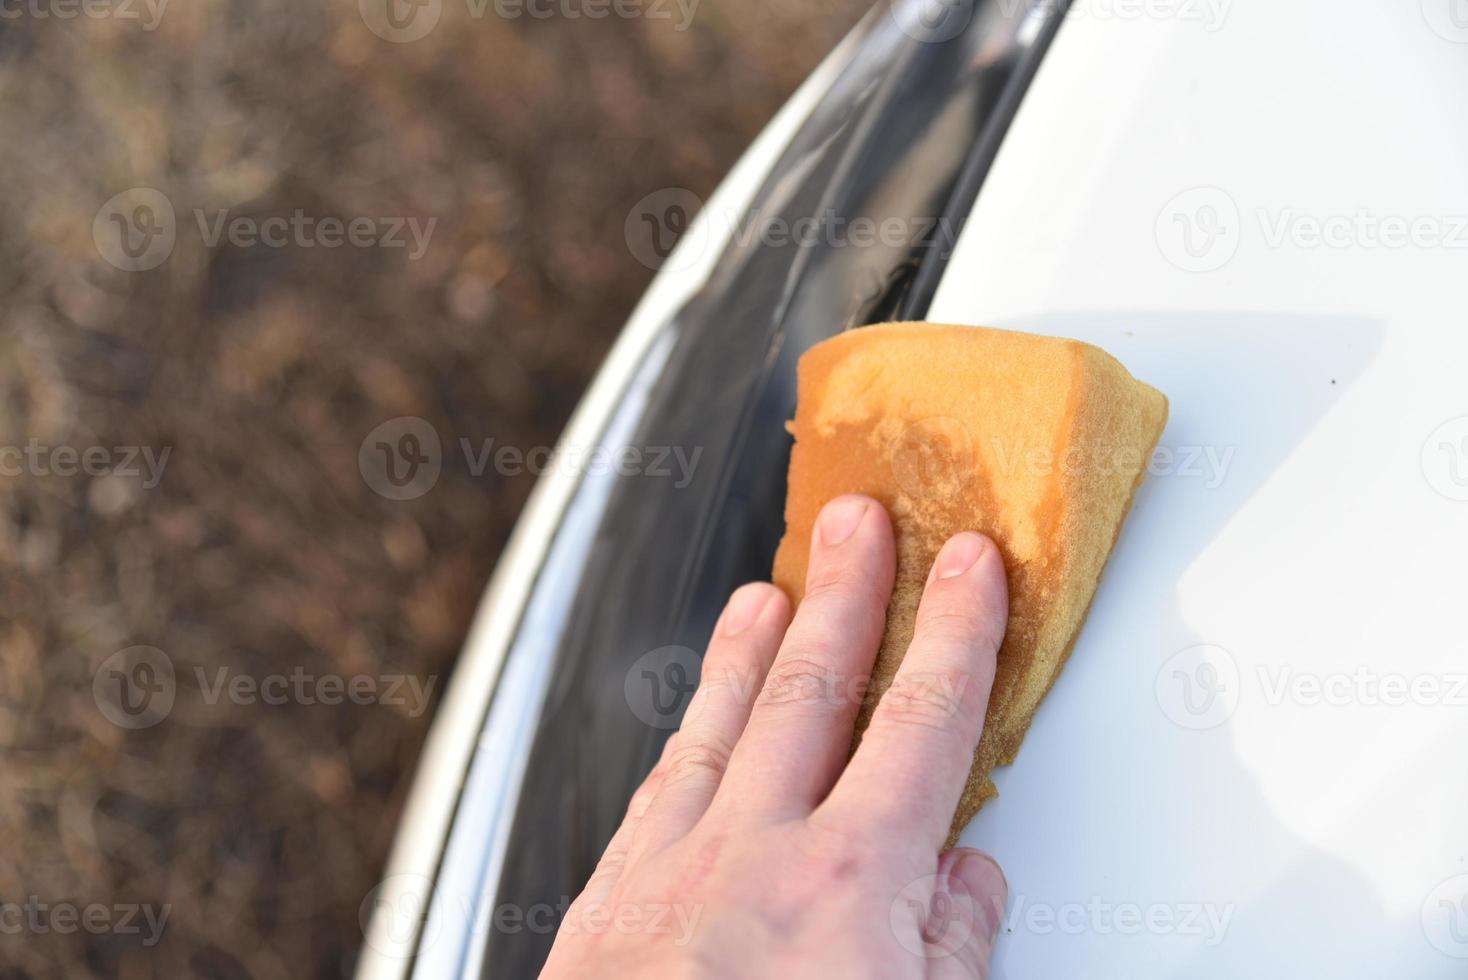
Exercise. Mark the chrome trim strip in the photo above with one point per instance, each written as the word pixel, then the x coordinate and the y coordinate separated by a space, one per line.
pixel 469 876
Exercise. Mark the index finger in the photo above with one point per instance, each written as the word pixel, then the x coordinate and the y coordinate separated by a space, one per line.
pixel 914 758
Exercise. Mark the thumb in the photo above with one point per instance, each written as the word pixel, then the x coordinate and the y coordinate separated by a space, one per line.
pixel 978 892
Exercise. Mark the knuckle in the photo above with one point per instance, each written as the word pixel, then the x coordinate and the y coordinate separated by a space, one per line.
pixel 611 866
pixel 643 797
pixel 842 584
pixel 932 701
pixel 952 623
pixel 798 680
pixel 725 677
pixel 702 760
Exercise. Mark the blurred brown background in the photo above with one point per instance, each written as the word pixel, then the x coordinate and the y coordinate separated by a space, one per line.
pixel 255 547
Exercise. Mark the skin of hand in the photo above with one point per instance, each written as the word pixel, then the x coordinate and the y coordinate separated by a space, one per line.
pixel 755 848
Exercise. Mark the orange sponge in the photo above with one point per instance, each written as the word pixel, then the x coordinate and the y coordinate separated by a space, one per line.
pixel 1038 442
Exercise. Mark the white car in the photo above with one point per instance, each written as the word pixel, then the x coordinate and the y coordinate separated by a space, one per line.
pixel 1256 762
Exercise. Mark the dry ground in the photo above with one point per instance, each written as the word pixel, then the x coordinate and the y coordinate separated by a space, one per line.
pixel 261 550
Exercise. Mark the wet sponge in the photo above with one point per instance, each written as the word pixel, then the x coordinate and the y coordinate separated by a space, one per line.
pixel 1038 442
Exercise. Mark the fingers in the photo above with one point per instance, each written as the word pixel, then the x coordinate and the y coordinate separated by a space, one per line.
pixel 966 916
pixel 799 733
pixel 734 668
pixel 914 757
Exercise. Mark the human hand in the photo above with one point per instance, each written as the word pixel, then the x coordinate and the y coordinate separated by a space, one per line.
pixel 754 848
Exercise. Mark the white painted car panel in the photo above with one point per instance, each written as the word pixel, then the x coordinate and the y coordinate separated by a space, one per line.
pixel 1261 209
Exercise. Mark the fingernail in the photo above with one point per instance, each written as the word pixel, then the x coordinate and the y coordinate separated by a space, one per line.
pixel 840 518
pixel 959 554
pixel 988 887
pixel 743 609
